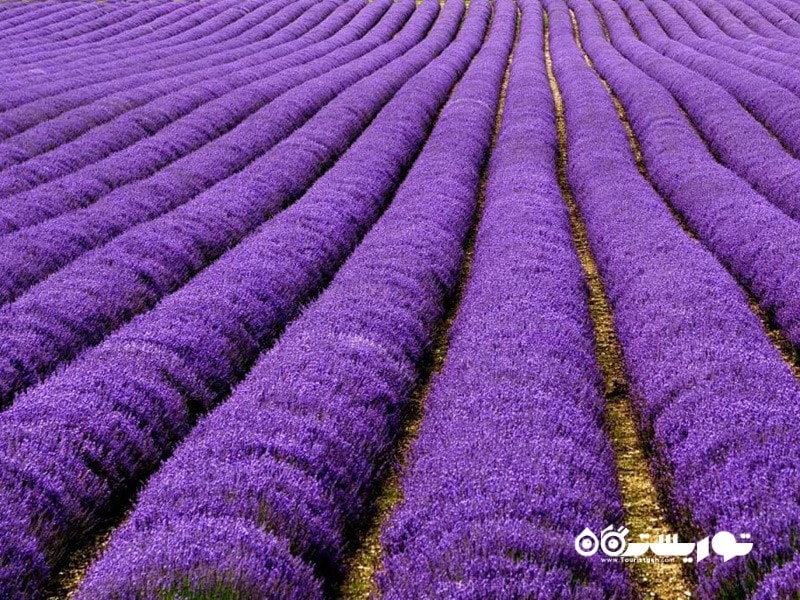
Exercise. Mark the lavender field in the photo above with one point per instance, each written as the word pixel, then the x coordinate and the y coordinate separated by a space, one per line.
pixel 399 299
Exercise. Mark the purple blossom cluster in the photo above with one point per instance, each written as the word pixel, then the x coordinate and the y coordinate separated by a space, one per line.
pixel 714 398
pixel 290 459
pixel 516 411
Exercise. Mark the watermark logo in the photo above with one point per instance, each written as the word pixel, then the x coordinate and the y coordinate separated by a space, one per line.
pixel 613 543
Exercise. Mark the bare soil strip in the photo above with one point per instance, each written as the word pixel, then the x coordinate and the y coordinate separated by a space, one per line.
pixel 359 583
pixel 71 575
pixel 639 495
pixel 73 569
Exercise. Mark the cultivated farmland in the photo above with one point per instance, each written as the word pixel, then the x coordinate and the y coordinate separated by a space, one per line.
pixel 399 299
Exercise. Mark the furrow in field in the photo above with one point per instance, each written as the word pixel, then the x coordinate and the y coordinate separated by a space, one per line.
pixel 644 513
pixel 364 564
pixel 704 26
pixel 485 510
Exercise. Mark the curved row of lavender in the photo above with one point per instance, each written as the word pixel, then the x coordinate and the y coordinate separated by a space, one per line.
pixel 135 396
pixel 758 243
pixel 128 275
pixel 512 459
pixel 773 105
pixel 714 398
pixel 285 467
pixel 678 29
pixel 117 120
pixel 238 126
pixel 181 60
pixel 148 25
pixel 787 8
pixel 234 118
pixel 122 59
pixel 739 141
pixel 745 22
pixel 147 34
